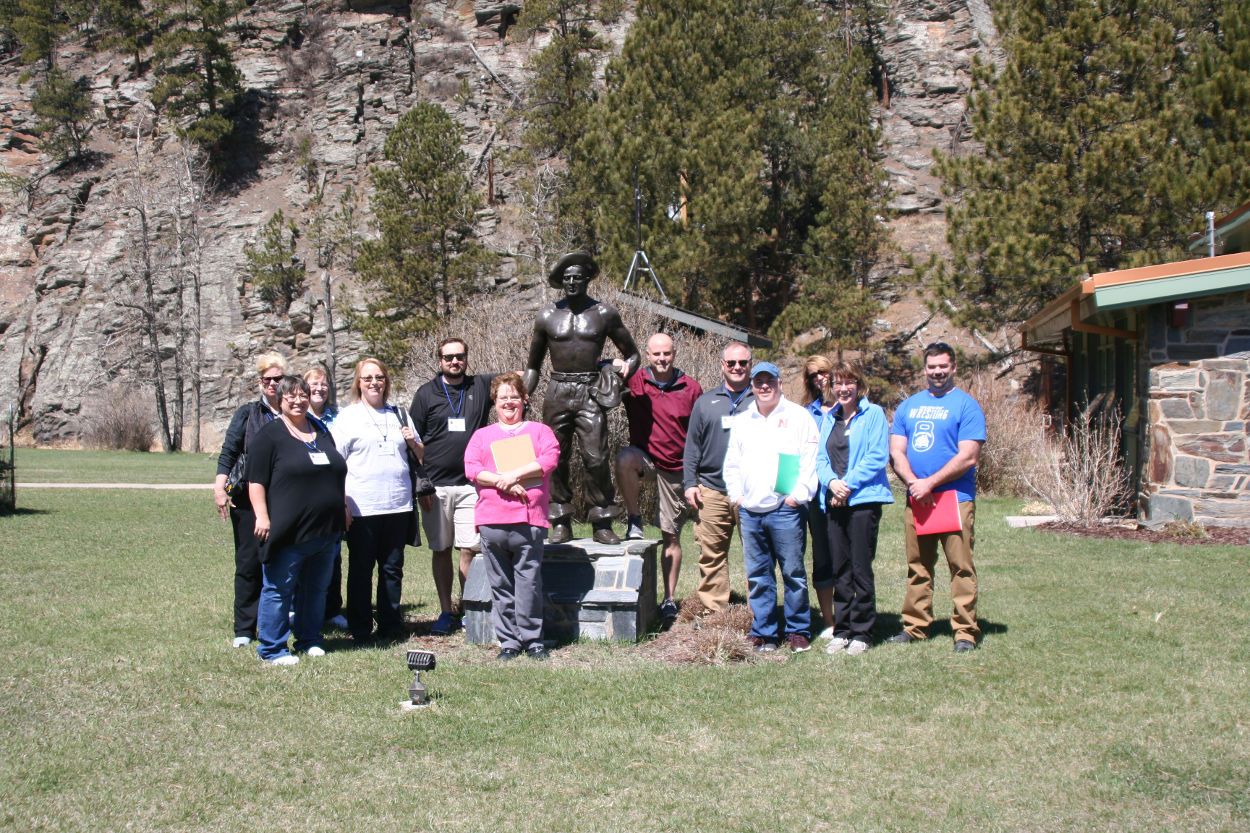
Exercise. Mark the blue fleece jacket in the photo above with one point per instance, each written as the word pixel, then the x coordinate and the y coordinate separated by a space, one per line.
pixel 869 439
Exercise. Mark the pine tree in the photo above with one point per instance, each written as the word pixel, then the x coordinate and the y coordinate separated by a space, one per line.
pixel 127 27
pixel 1084 165
pixel 65 109
pixel 272 264
pixel 719 109
pixel 1220 95
pixel 38 26
pixel 197 81
pixel 426 256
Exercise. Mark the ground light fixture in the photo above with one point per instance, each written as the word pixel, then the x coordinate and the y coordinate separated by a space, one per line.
pixel 418 661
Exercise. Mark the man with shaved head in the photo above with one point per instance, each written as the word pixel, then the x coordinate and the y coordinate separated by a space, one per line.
pixel 658 403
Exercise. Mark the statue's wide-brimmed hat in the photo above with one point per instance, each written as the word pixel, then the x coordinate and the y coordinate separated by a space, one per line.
pixel 583 259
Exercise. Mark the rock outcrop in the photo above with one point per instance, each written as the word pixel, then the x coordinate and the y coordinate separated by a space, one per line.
pixel 323 89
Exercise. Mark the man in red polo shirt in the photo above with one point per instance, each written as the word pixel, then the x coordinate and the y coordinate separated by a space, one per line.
pixel 658 403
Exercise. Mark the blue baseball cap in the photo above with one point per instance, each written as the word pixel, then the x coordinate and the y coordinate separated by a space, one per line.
pixel 765 367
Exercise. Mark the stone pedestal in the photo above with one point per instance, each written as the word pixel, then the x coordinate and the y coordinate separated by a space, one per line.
pixel 593 591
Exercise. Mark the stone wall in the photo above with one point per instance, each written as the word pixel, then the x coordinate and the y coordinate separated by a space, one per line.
pixel 1199 412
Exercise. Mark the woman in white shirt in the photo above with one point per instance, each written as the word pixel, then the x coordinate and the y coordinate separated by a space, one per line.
pixel 375 442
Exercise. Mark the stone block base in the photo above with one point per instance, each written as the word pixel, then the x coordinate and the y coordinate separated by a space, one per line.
pixel 592 591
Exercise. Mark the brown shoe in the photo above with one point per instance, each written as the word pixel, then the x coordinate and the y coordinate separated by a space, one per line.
pixel 561 533
pixel 605 535
pixel 798 643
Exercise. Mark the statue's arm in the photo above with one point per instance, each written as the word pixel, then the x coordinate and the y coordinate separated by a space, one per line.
pixel 538 351
pixel 620 335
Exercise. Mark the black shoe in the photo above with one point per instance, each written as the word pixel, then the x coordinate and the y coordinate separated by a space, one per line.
pixel 668 611
pixel 605 535
pixel 964 645
pixel 902 638
pixel 537 651
pixel 561 533
pixel 508 654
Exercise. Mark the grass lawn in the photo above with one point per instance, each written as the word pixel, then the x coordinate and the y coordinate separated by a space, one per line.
pixel 1110 693
pixel 43 465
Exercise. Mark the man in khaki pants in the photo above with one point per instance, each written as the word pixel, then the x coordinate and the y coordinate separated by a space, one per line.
pixel 702 478
pixel 935 442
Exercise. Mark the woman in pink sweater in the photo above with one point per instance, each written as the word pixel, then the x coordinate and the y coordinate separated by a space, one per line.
pixel 513 490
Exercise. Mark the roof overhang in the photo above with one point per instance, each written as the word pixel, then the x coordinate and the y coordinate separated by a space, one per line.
pixel 1129 288
pixel 1232 233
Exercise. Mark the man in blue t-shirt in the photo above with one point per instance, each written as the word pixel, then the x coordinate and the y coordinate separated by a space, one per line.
pixel 934 445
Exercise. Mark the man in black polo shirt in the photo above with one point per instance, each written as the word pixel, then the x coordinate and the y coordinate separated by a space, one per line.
pixel 445 412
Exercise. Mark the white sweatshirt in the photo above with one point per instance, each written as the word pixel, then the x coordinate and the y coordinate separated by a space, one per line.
pixel 755 443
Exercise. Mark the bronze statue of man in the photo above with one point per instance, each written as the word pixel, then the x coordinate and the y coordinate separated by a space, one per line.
pixel 580 390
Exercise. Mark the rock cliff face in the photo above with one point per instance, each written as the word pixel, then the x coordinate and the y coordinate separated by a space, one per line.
pixel 325 87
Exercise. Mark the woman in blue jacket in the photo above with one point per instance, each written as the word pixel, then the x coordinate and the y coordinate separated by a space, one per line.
pixel 851 460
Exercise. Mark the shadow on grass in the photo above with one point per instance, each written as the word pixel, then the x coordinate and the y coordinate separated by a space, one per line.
pixel 22 510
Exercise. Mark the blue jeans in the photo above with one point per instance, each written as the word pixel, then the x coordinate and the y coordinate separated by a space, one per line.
pixel 300 572
pixel 776 537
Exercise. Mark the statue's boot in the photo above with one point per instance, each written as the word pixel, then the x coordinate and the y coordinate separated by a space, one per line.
pixel 604 535
pixel 561 532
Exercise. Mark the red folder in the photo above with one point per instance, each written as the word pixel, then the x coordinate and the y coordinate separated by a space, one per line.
pixel 942 517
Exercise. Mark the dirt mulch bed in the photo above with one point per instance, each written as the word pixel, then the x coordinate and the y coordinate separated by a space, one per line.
pixel 1170 534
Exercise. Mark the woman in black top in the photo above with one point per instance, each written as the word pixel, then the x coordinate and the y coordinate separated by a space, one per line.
pixel 235 507
pixel 296 483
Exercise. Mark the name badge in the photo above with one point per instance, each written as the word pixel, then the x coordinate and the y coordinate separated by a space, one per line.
pixel 455 424
pixel 319 458
pixel 726 421
pixel 387 448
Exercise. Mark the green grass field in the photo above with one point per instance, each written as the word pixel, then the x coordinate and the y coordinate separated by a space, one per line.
pixel 1110 693
pixel 41 465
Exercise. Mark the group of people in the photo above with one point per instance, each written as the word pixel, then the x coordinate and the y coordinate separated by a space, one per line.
pixel 744 455
pixel 295 478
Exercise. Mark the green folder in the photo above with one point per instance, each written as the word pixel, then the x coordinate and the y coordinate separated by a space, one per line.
pixel 787 473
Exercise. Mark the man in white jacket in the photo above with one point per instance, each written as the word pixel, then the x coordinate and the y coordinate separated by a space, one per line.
pixel 770 474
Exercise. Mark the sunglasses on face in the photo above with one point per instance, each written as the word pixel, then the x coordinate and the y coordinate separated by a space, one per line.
pixel 737 362
pixel 454 357
pixel 373 378
pixel 270 380
pixel 764 383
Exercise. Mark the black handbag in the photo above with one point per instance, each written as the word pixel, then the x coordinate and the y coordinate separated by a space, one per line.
pixel 236 480
pixel 421 485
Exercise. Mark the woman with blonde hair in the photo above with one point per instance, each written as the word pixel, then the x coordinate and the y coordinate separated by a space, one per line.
pixel 321 408
pixel 818 400
pixel 375 439
pixel 233 503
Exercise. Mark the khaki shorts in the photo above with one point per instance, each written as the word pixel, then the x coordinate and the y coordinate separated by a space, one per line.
pixel 452 513
pixel 673 507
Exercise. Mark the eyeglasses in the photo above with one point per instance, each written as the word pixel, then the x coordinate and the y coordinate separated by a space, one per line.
pixel 454 357
pixel 815 374
pixel 373 378
pixel 270 380
pixel 295 396
pixel 736 362
pixel 766 382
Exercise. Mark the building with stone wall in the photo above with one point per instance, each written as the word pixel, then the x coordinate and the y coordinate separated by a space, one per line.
pixel 1171 343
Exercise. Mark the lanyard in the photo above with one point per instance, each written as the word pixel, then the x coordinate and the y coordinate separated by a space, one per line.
pixel 456 410
pixel 736 402
pixel 385 428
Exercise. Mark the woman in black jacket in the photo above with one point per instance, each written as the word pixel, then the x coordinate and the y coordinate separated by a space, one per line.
pixel 235 506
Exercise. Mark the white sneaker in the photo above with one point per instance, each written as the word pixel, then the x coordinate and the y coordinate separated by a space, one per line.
pixel 241 642
pixel 857 647
pixel 285 659
pixel 827 633
pixel 837 645
pixel 316 651
pixel 339 622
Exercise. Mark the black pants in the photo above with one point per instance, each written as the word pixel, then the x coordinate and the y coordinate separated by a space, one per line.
pixel 376 540
pixel 246 571
pixel 852 548
pixel 334 593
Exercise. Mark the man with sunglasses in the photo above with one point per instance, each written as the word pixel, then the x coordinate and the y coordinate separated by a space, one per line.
pixel 445 412
pixel 702 481
pixel 770 473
